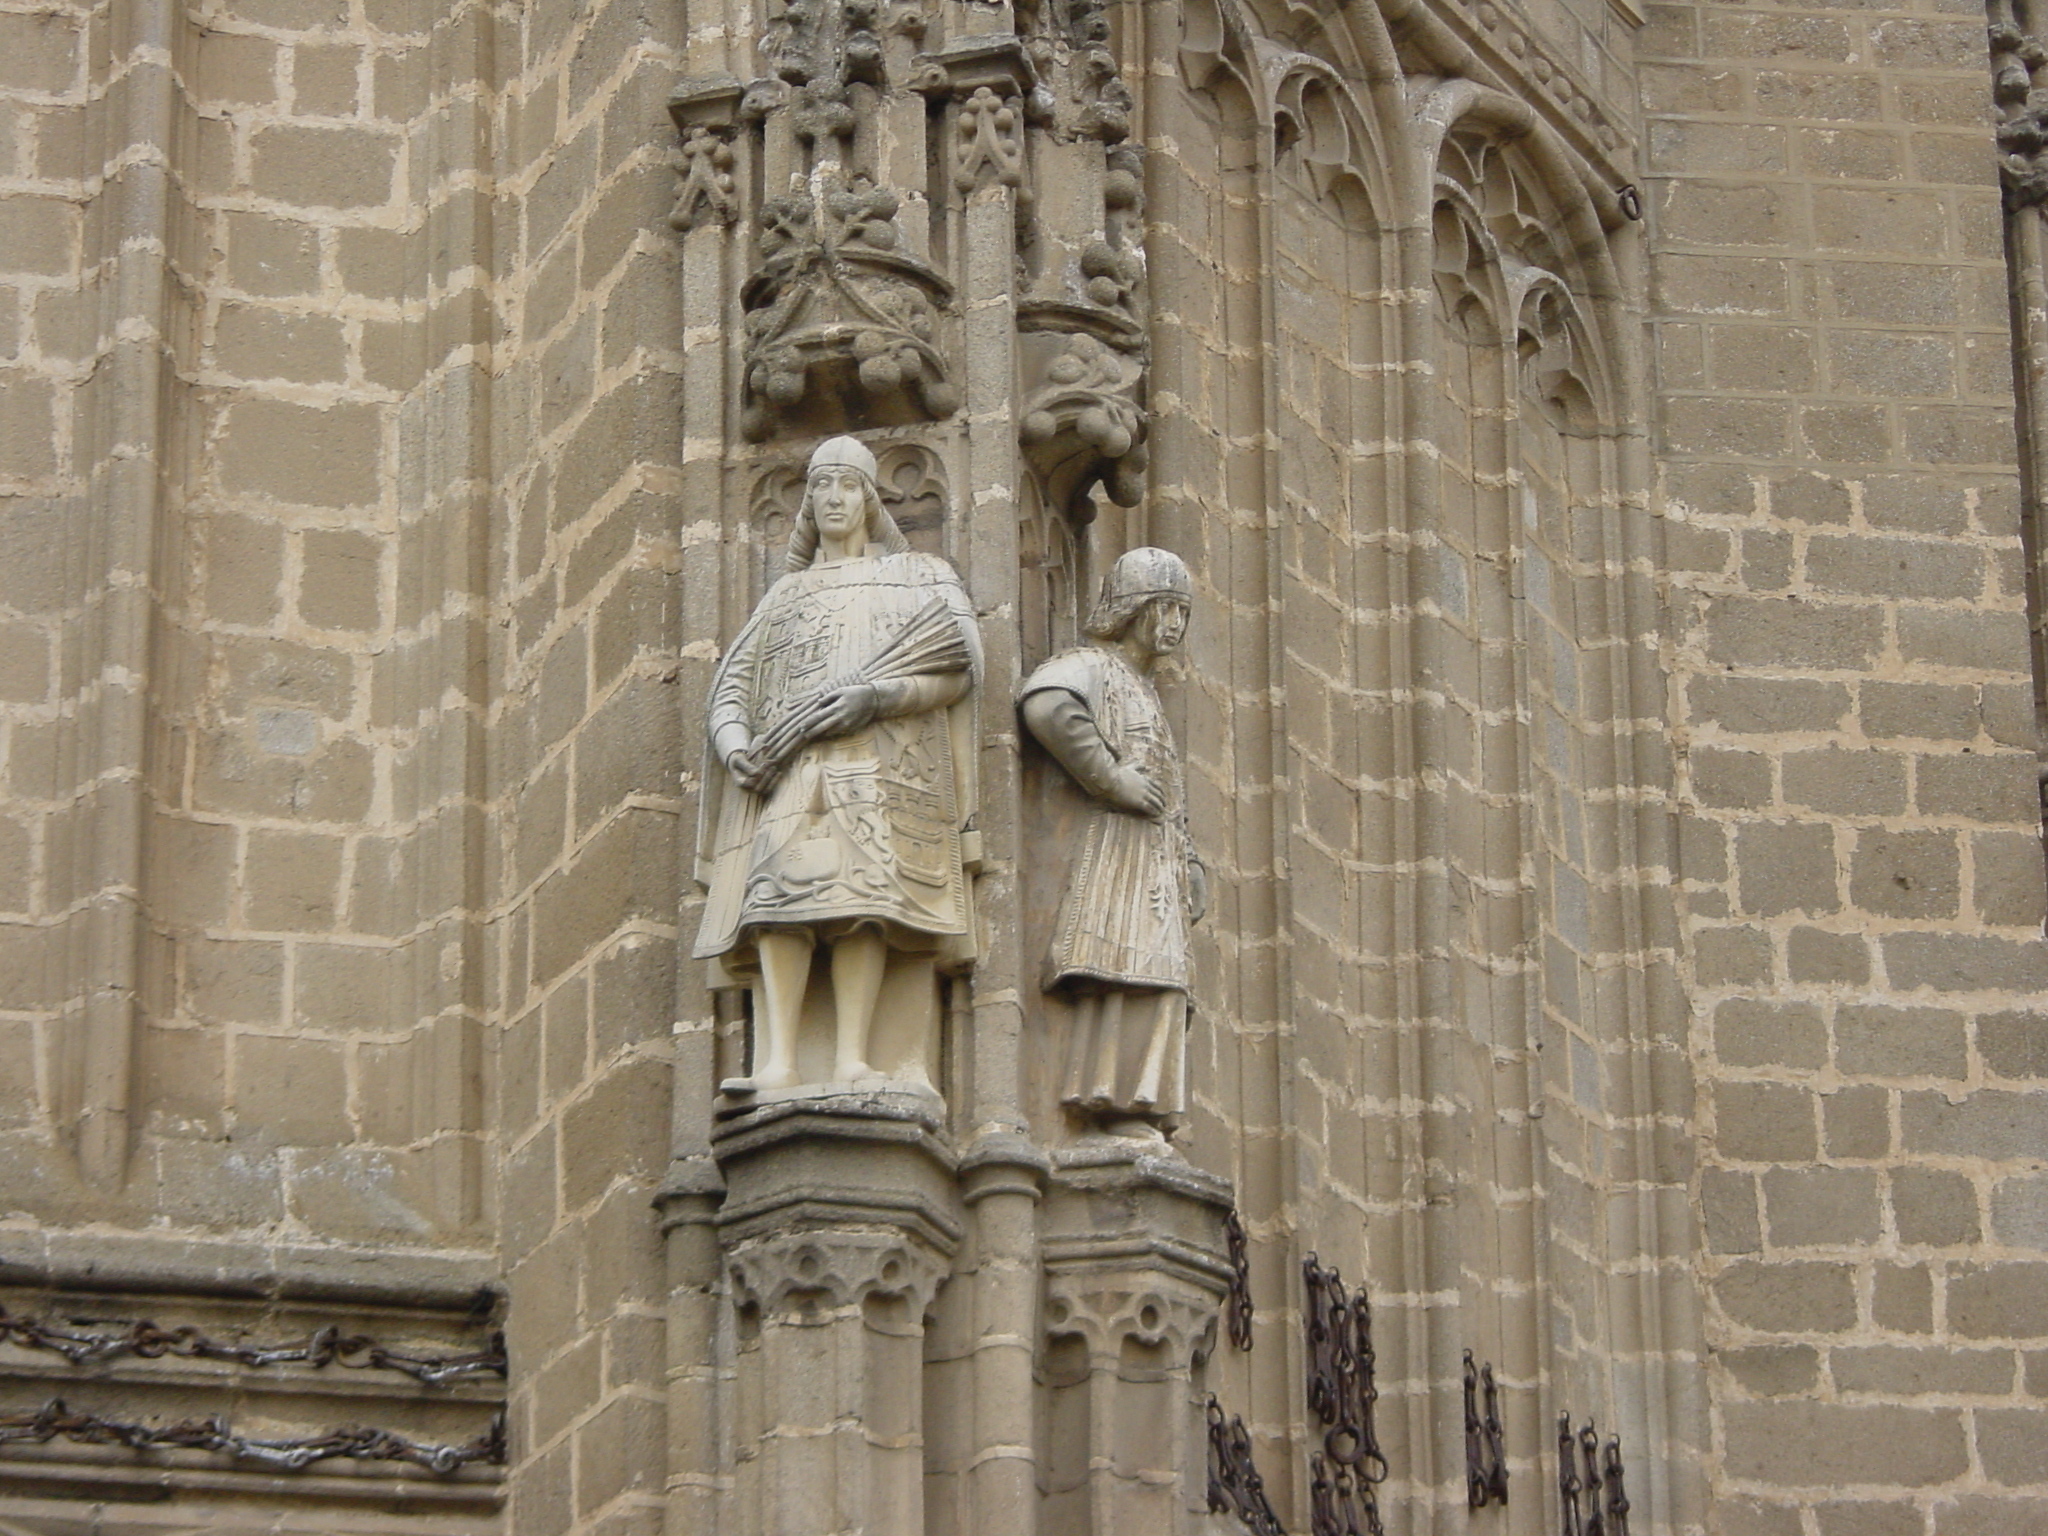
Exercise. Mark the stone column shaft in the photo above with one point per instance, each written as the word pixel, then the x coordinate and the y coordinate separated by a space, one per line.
pixel 837 1229
pixel 1135 1276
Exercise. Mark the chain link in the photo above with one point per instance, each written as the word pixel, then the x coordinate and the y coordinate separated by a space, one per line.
pixel 323 1347
pixel 1237 1307
pixel 1592 1499
pixel 1235 1487
pixel 54 1421
pixel 1486 1467
pixel 1344 1476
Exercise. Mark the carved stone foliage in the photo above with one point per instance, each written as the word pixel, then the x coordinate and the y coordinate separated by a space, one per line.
pixel 990 131
pixel 820 54
pixel 842 320
pixel 1082 91
pixel 803 1276
pixel 2019 86
pixel 1085 360
pixel 1082 421
pixel 840 324
pixel 704 167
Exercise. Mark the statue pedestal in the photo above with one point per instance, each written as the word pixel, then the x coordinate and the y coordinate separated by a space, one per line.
pixel 1136 1269
pixel 839 1223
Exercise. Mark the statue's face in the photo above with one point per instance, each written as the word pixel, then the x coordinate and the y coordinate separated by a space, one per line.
pixel 839 502
pixel 1164 624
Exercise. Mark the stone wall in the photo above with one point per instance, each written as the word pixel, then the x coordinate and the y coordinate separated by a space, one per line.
pixel 1862 866
pixel 1569 721
pixel 582 843
pixel 1429 712
pixel 340 747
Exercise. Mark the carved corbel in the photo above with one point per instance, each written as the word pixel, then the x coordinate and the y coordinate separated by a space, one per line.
pixel 2019 73
pixel 1082 423
pixel 1084 412
pixel 840 323
pixel 1086 358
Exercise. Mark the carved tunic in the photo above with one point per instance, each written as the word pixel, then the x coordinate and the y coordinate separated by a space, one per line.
pixel 1123 920
pixel 861 827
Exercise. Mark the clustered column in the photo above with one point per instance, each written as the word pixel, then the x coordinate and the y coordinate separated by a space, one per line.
pixel 927 1203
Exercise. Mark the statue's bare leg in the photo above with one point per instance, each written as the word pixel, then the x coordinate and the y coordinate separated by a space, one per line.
pixel 785 972
pixel 858 961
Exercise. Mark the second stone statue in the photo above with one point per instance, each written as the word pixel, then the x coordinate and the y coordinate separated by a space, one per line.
pixel 1119 954
pixel 841 733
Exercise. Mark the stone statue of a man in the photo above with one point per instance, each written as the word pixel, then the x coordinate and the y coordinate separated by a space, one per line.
pixel 1120 940
pixel 841 718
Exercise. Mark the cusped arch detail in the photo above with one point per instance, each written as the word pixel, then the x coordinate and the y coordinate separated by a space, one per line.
pixel 1492 160
pixel 1324 96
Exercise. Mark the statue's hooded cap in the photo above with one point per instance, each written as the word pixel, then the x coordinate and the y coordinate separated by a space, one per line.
pixel 843 453
pixel 1148 573
pixel 1135 580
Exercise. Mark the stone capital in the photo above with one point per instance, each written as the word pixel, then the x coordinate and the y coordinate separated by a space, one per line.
pixel 1107 1308
pixel 1135 1250
pixel 710 102
pixel 999 64
pixel 805 1275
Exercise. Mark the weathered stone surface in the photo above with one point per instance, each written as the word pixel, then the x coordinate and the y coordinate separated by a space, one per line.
pixel 374 504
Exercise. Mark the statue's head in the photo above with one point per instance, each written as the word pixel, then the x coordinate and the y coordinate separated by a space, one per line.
pixel 833 460
pixel 1137 581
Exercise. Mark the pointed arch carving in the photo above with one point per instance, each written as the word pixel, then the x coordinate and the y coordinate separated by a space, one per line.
pixel 1456 557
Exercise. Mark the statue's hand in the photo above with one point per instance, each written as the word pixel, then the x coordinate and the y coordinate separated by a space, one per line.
pixel 751 773
pixel 842 711
pixel 1136 791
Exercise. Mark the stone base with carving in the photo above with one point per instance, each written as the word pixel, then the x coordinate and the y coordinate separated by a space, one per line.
pixel 839 1223
pixel 1136 1269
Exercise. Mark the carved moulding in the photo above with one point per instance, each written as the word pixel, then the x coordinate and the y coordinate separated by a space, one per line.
pixel 1135 1252
pixel 840 325
pixel 808 1274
